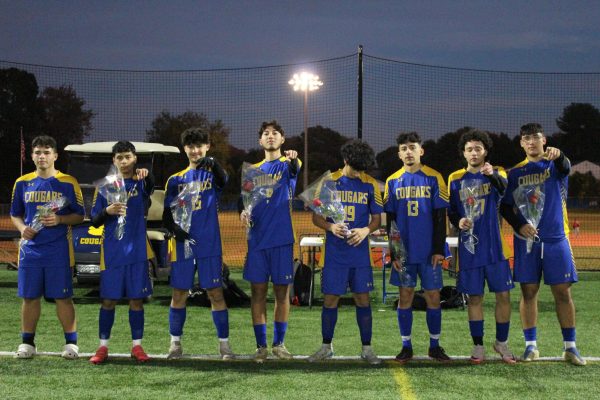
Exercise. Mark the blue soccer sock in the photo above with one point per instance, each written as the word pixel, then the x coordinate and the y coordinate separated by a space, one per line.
pixel 28 338
pixel 177 317
pixel 136 323
pixel 568 337
pixel 502 329
pixel 105 323
pixel 221 321
pixel 476 329
pixel 530 336
pixel 279 329
pixel 364 319
pixel 405 322
pixel 434 324
pixel 71 337
pixel 260 332
pixel 328 321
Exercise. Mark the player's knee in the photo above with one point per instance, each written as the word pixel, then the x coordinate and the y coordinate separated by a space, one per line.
pixel 179 298
pixel 136 304
pixel 475 301
pixel 215 296
pixel 562 296
pixel 361 299
pixel 432 298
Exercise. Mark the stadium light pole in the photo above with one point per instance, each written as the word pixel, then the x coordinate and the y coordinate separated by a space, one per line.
pixel 305 82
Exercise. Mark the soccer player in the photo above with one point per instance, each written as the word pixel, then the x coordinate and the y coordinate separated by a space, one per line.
pixel 271 242
pixel 488 263
pixel 124 262
pixel 347 253
pixel 416 198
pixel 46 258
pixel 207 257
pixel 551 254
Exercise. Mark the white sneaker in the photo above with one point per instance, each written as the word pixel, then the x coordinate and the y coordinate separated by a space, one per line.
pixel 25 351
pixel 324 353
pixel 225 350
pixel 369 356
pixel 70 351
pixel 477 354
pixel 281 352
pixel 507 356
pixel 175 350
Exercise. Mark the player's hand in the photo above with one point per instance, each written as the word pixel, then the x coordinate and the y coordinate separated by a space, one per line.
pixel 436 259
pixel 552 153
pixel 206 163
pixel 528 231
pixel 339 230
pixel 50 220
pixel 180 234
pixel 28 233
pixel 245 218
pixel 487 169
pixel 357 235
pixel 116 209
pixel 465 224
pixel 290 155
pixel 397 266
pixel 141 174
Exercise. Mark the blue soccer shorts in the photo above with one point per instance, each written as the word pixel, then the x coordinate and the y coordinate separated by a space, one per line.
pixel 431 278
pixel 50 282
pixel 336 281
pixel 210 273
pixel 552 260
pixel 276 263
pixel 131 281
pixel 498 277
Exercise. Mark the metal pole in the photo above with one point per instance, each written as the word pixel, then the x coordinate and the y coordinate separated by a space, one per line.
pixel 305 174
pixel 360 93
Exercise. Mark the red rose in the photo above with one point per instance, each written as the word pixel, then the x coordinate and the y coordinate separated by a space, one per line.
pixel 533 199
pixel 317 203
pixel 248 186
pixel 470 201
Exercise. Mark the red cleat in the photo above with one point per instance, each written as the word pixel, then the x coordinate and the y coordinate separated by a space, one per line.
pixel 100 356
pixel 139 354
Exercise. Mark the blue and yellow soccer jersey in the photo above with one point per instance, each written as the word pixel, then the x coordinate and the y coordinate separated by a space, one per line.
pixel 272 218
pixel 554 224
pixel 361 199
pixel 490 248
pixel 52 246
pixel 133 246
pixel 204 229
pixel 413 197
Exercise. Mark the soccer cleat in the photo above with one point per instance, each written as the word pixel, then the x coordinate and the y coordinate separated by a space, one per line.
pixel 405 355
pixel 438 354
pixel 531 353
pixel 369 356
pixel 281 352
pixel 25 351
pixel 175 350
pixel 507 356
pixel 225 350
pixel 261 354
pixel 572 355
pixel 138 353
pixel 477 354
pixel 100 356
pixel 70 351
pixel 324 353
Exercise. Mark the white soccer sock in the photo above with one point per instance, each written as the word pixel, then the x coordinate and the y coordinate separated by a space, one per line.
pixel 531 343
pixel 175 338
pixel 104 342
pixel 223 339
pixel 137 342
pixel 569 345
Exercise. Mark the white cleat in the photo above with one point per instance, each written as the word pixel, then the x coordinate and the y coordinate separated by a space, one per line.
pixel 324 353
pixel 175 350
pixel 225 350
pixel 70 352
pixel 369 356
pixel 25 351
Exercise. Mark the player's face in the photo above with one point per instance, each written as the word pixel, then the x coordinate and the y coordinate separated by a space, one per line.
pixel 196 151
pixel 475 153
pixel 44 157
pixel 533 144
pixel 410 153
pixel 271 139
pixel 125 162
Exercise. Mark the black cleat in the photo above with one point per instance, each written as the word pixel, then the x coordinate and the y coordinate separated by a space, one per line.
pixel 438 354
pixel 405 355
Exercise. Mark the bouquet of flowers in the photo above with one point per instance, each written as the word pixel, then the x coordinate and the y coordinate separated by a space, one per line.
pixel 322 197
pixel 51 207
pixel 257 186
pixel 112 188
pixel 529 199
pixel 398 253
pixel 469 190
pixel 182 207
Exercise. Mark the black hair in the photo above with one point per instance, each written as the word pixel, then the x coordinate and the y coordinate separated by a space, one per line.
pixel 531 129
pixel 409 137
pixel 194 136
pixel 474 135
pixel 272 123
pixel 358 154
pixel 43 141
pixel 123 146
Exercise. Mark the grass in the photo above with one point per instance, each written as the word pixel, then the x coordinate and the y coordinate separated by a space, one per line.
pixel 51 377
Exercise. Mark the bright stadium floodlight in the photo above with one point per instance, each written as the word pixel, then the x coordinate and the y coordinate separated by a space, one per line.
pixel 305 82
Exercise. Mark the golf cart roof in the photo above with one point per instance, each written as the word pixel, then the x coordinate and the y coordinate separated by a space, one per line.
pixel 106 148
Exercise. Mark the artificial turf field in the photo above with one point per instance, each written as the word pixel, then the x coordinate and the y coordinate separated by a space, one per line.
pixel 51 377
